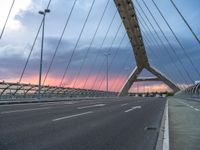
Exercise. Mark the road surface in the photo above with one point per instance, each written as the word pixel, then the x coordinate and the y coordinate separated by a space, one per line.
pixel 104 124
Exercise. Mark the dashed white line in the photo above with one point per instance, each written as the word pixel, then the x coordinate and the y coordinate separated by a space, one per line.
pixel 71 116
pixel 196 109
pixel 124 104
pixel 133 108
pixel 24 110
pixel 97 105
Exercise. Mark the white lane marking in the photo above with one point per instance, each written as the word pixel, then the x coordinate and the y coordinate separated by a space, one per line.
pixel 133 108
pixel 71 116
pixel 97 105
pixel 166 130
pixel 196 109
pixel 24 110
pixel 124 104
pixel 69 103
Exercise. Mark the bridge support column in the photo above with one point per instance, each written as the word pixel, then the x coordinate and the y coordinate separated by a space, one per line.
pixel 128 15
pixel 163 78
pixel 133 77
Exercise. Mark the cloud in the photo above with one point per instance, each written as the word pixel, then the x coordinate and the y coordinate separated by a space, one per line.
pixel 15 46
pixel 13 59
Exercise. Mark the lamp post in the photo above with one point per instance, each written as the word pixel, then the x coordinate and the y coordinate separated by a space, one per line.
pixel 41 54
pixel 107 57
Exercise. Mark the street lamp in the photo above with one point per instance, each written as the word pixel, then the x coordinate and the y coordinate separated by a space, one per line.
pixel 41 54
pixel 107 56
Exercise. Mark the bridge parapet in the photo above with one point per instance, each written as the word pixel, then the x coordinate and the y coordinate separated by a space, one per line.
pixel 191 92
pixel 9 90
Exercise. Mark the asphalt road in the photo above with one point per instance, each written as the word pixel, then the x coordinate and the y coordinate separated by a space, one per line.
pixel 106 124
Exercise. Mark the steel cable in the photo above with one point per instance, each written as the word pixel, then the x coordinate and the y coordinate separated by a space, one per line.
pixel 187 24
pixel 75 47
pixel 59 42
pixel 113 58
pixel 91 43
pixel 102 64
pixel 168 53
pixel 7 19
pixel 101 46
pixel 178 41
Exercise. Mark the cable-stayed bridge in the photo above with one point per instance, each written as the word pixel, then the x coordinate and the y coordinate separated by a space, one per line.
pixel 102 57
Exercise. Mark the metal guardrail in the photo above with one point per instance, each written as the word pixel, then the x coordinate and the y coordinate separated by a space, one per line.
pixel 191 92
pixel 10 90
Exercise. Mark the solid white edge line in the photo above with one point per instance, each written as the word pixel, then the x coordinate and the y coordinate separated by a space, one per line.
pixel 166 130
pixel 71 116
pixel 24 110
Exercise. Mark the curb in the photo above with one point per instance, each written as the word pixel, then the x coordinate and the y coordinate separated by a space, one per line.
pixel 163 137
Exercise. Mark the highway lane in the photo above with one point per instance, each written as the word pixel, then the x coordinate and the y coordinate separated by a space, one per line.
pixel 110 124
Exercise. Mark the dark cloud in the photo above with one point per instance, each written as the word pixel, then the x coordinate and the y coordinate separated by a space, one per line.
pixel 95 60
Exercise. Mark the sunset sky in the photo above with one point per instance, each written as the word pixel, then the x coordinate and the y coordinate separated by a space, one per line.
pixel 24 22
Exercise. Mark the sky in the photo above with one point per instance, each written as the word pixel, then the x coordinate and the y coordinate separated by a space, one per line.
pixel 24 22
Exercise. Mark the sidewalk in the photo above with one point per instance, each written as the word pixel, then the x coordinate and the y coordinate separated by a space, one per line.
pixel 184 124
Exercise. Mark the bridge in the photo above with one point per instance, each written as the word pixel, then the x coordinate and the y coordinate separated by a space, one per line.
pixel 110 74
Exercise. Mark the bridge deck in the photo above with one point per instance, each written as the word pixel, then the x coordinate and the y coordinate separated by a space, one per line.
pixel 115 123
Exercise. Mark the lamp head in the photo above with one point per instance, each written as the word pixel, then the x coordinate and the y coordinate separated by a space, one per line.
pixel 41 12
pixel 47 10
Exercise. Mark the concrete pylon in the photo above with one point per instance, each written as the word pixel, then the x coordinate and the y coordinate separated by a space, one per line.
pixel 127 12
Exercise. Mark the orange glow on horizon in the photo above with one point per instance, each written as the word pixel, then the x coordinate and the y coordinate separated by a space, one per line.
pixel 115 84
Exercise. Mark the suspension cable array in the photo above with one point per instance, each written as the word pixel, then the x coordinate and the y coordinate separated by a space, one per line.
pixel 109 52
pixel 75 47
pixel 101 46
pixel 90 45
pixel 112 59
pixel 178 41
pixel 59 42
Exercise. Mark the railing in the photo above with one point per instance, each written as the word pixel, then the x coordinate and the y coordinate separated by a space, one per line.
pixel 10 90
pixel 191 92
